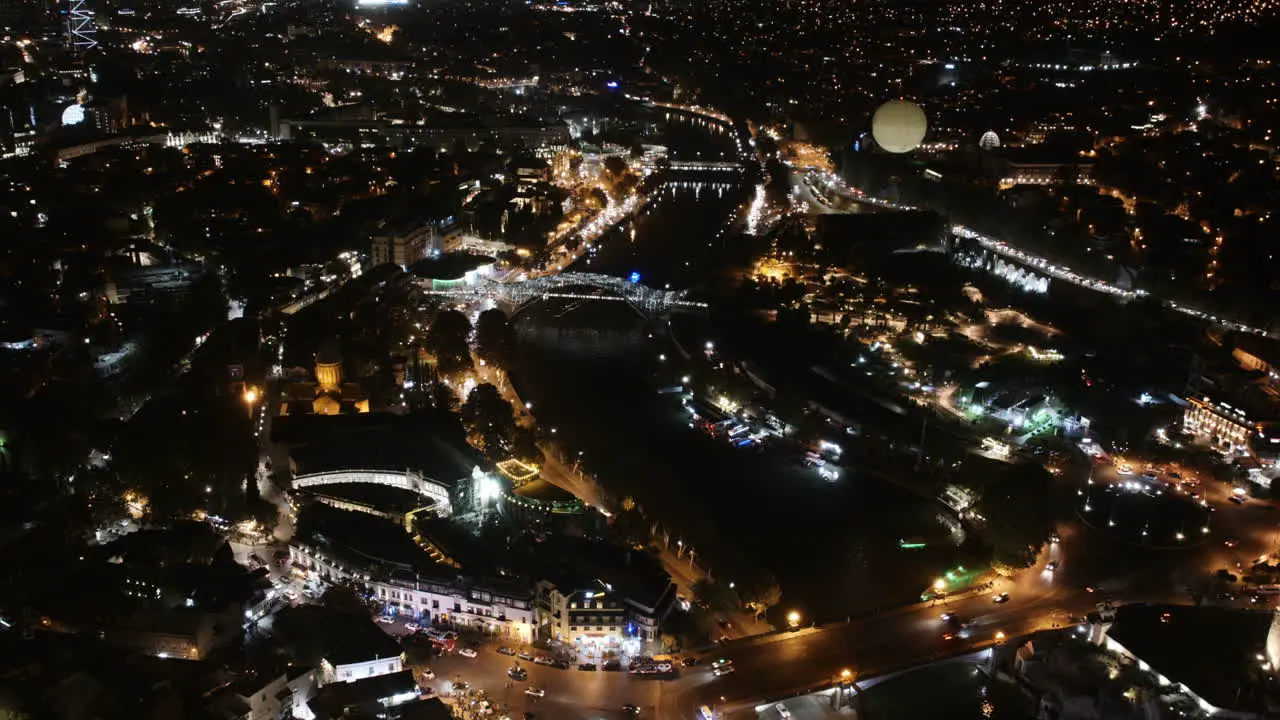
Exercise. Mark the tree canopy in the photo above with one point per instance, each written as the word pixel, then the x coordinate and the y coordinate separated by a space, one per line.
pixel 495 338
pixel 1018 505
pixel 489 419
pixel 447 339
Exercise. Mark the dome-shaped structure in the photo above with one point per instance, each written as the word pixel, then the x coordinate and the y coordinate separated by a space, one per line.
pixel 899 126
pixel 989 140
pixel 73 114
pixel 329 366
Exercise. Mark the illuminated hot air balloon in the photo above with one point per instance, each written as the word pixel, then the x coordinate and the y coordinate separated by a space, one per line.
pixel 899 126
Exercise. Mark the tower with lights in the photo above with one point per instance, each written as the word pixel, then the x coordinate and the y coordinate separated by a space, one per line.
pixel 81 33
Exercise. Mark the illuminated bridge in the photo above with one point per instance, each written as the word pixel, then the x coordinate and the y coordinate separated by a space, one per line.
pixel 577 286
pixel 706 166
pixel 409 480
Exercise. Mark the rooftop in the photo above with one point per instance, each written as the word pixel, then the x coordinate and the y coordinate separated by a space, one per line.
pixel 342 638
pixel 434 446
pixel 1213 651
pixel 335 699
pixel 452 266
pixel 581 564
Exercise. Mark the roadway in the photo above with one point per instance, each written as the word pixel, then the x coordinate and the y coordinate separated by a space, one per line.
pixel 768 667
pixel 1058 272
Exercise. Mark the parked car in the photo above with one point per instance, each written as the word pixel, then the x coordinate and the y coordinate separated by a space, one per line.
pixel 385 620
pixel 613 666
pixel 518 674
pixel 467 653
pixel 506 651
pixel 586 666
pixel 524 656
pixel 411 627
pixel 544 660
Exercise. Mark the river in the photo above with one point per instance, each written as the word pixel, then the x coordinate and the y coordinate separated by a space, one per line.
pixel 591 369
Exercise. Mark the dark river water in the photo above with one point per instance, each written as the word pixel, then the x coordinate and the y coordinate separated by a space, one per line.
pixel 592 369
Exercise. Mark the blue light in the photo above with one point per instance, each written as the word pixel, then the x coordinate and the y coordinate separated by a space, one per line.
pixel 635 277
pixel 612 85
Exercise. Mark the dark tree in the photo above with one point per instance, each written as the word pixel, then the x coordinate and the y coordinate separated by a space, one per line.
pixel 524 445
pixel 447 339
pixel 489 418
pixel 495 338
pixel 716 595
pixel 615 166
pixel 1017 504
pixel 443 397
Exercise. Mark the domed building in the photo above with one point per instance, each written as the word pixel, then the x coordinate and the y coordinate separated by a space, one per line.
pixel 328 395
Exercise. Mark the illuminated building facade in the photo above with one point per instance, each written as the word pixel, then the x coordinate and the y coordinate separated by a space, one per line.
pixel 1225 426
pixel 500 611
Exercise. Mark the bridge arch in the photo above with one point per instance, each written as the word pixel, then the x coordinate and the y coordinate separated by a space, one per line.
pixel 410 480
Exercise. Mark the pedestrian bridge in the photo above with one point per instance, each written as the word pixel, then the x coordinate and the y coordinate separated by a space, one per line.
pixel 409 480
pixel 706 166
pixel 521 294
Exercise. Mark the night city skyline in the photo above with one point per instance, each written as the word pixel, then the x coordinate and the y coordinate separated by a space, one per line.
pixel 596 359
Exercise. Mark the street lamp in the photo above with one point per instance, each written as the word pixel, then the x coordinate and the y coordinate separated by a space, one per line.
pixel 793 619
pixel 250 395
pixel 940 584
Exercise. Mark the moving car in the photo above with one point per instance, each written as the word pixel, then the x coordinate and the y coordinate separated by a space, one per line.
pixel 721 662
pixel 535 691
pixel 613 666
pixel 411 627
pixel 724 670
pixel 384 620
pixel 632 710
pixel 1000 598
pixel 427 674
pixel 783 712
pixel 516 673
pixel 1051 565
pixel 467 653
pixel 690 661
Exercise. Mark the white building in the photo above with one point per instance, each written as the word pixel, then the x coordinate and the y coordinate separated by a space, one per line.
pixel 501 611
pixel 350 669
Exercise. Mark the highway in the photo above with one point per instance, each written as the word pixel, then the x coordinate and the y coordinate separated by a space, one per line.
pixel 1058 272
pixel 768 667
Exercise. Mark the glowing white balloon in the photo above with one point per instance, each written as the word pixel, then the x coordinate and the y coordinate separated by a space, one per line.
pixel 73 114
pixel 899 126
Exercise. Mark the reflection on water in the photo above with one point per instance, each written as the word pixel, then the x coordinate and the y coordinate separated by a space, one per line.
pixel 589 368
pixel 956 691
